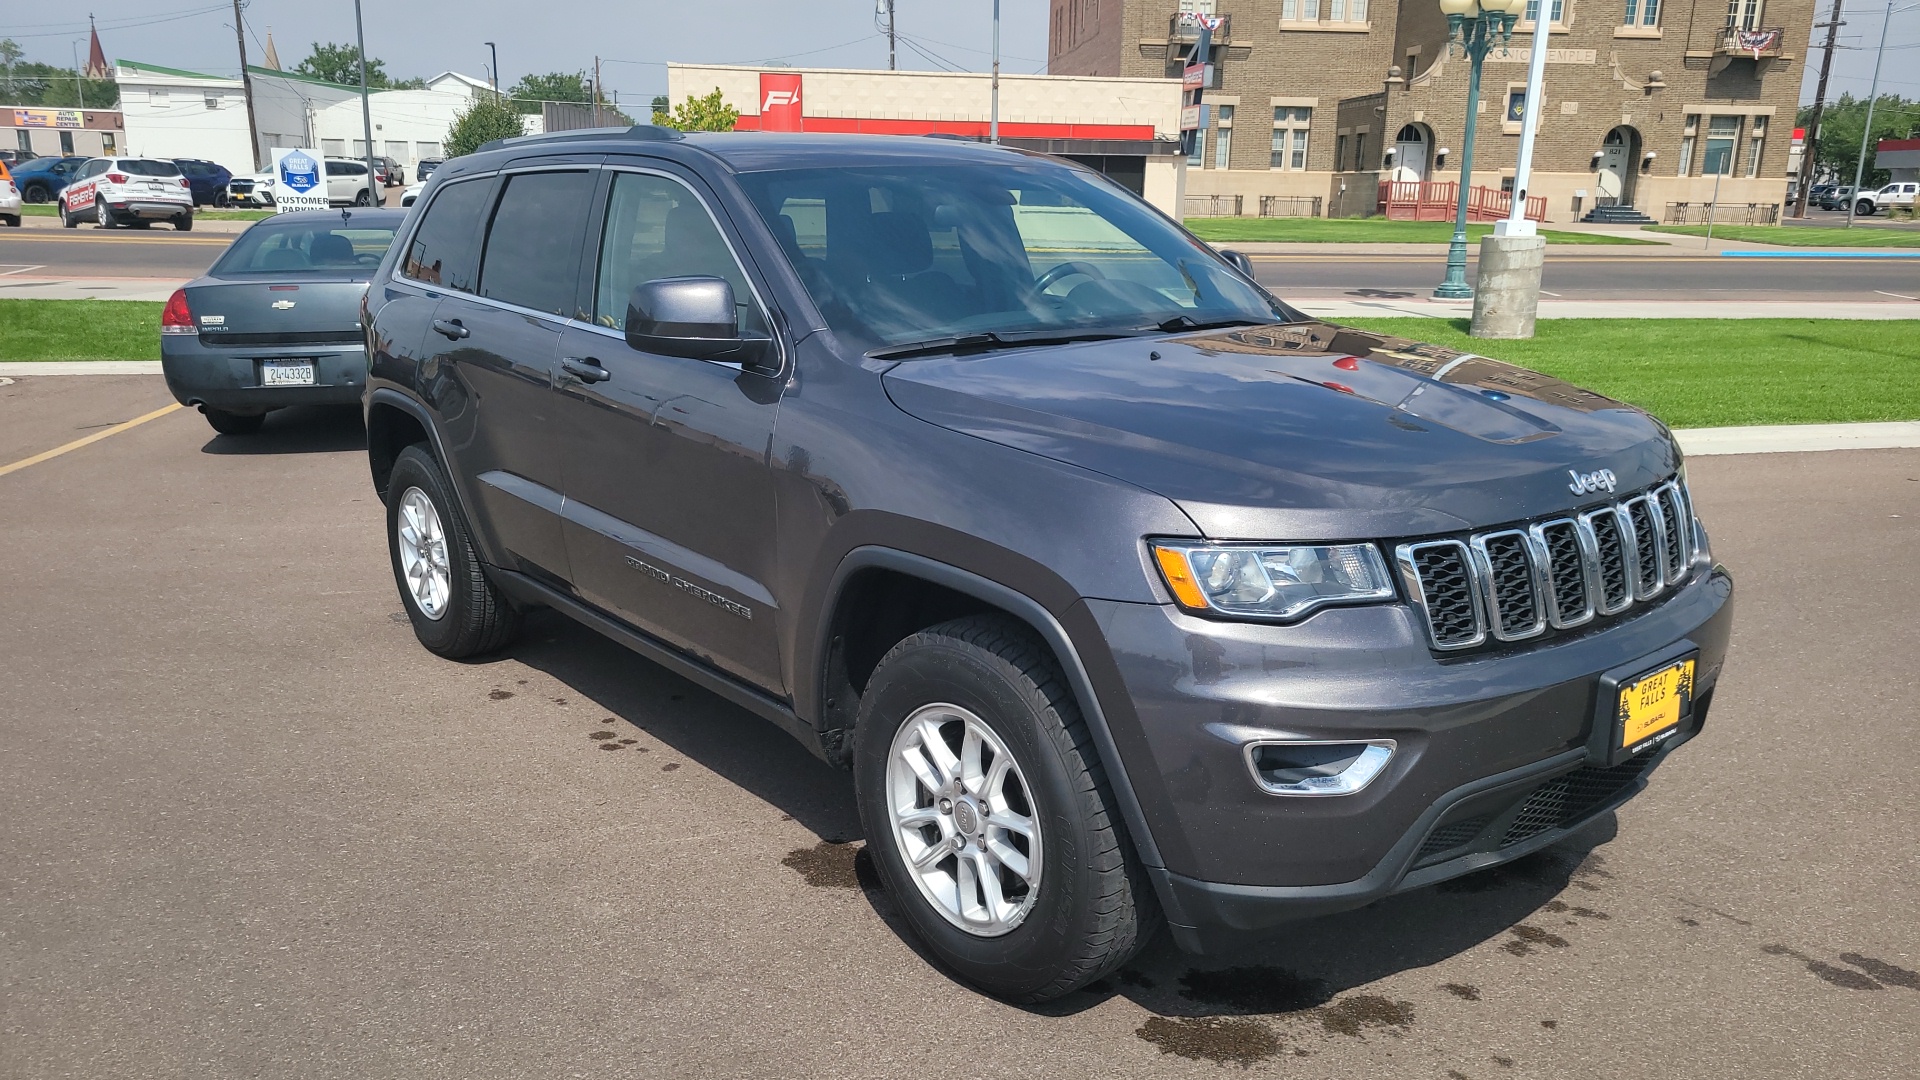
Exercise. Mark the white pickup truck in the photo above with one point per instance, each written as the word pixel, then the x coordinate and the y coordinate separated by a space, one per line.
pixel 1900 194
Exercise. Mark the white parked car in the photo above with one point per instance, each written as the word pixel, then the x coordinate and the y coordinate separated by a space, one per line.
pixel 1899 194
pixel 113 192
pixel 347 183
pixel 10 201
pixel 412 194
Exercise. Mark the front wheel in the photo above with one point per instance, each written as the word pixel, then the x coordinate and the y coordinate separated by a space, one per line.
pixel 1863 208
pixel 989 815
pixel 67 220
pixel 455 609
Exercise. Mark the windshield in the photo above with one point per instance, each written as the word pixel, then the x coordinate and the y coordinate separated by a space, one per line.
pixel 305 247
pixel 143 167
pixel 895 255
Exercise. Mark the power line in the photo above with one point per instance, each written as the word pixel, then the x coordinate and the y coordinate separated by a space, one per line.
pixel 128 25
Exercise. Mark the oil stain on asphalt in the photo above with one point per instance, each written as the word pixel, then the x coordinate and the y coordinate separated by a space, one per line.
pixel 1879 973
pixel 827 865
pixel 1226 1040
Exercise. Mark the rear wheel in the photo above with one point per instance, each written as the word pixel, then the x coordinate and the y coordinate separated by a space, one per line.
pixel 233 423
pixel 455 610
pixel 103 215
pixel 13 222
pixel 362 199
pixel 989 815
pixel 1863 208
pixel 183 223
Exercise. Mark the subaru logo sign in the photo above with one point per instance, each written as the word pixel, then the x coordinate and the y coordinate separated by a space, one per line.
pixel 299 172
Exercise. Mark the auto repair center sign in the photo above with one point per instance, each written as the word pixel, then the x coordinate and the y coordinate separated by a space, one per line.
pixel 299 180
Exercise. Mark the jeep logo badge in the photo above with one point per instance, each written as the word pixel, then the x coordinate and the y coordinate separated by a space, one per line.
pixel 1586 483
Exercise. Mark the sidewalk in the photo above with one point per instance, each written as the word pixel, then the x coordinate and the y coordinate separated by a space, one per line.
pixel 200 225
pixel 1429 308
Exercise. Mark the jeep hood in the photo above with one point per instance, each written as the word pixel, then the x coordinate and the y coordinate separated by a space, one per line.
pixel 1299 431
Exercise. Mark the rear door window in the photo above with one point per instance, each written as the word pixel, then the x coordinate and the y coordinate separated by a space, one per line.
pixel 533 247
pixel 445 249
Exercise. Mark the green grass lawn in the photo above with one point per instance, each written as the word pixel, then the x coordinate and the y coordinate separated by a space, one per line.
pixel 79 330
pixel 1810 236
pixel 204 214
pixel 1715 372
pixel 1376 230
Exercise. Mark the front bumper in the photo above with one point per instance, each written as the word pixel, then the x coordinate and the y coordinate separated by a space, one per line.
pixel 1482 742
pixel 229 377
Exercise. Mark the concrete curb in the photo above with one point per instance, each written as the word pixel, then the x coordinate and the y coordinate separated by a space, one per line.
pixel 1797 438
pixel 17 369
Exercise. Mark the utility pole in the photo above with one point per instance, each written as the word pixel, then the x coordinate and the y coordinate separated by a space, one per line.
pixel 376 191
pixel 1810 143
pixel 79 87
pixel 890 41
pixel 596 91
pixel 993 124
pixel 246 85
pixel 493 74
pixel 1866 133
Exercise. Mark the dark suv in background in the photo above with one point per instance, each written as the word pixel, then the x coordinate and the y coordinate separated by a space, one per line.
pixel 1128 593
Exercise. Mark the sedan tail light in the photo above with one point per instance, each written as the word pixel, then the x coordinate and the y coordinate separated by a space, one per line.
pixel 116 178
pixel 177 318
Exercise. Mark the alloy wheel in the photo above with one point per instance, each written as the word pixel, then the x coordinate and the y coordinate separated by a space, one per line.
pixel 423 553
pixel 964 820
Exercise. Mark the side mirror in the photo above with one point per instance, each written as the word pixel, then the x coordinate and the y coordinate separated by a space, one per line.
pixel 1240 262
pixel 691 317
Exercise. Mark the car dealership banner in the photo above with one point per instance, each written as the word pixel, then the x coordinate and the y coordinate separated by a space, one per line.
pixel 299 180
pixel 780 101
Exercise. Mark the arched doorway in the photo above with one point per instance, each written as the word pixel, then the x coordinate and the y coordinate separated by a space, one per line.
pixel 1410 150
pixel 1614 184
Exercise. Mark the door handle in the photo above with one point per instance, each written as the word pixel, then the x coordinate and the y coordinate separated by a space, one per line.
pixel 451 328
pixel 585 368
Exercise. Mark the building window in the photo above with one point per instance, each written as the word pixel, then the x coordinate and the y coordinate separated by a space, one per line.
pixel 23 139
pixel 1223 139
pixel 213 101
pixel 1559 9
pixel 1517 106
pixel 1199 152
pixel 109 145
pixel 1687 135
pixel 429 151
pixel 1360 152
pixel 1755 143
pixel 1290 124
pixel 1722 133
pixel 1745 14
pixel 1642 13
pixel 336 148
pixel 1339 152
pixel 66 144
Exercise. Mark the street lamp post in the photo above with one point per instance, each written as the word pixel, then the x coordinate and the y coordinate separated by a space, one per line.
pixel 1476 26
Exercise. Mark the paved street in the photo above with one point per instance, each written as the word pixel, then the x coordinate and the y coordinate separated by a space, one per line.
pixel 249 828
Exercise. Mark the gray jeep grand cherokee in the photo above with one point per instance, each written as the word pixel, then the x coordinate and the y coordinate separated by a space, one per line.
pixel 1128 593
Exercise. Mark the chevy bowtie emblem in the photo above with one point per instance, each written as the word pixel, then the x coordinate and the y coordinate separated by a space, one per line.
pixel 282 305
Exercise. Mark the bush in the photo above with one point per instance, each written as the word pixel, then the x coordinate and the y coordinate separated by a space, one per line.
pixel 709 113
pixel 487 119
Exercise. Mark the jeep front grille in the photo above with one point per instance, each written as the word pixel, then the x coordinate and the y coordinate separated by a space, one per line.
pixel 1512 584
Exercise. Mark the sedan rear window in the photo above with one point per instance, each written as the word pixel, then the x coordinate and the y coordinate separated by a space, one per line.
pixel 145 167
pixel 304 248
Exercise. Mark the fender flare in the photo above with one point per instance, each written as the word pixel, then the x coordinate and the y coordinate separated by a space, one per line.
pixel 1034 614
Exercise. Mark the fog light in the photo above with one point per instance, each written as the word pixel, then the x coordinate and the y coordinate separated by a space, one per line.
pixel 1318 768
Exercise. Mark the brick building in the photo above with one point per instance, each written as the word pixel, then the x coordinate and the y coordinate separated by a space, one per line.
pixel 1647 103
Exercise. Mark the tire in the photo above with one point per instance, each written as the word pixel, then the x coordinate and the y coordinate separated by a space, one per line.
pixel 13 222
pixel 363 199
pixel 1863 208
pixel 103 215
pixel 474 617
pixel 233 423
pixel 183 223
pixel 67 221
pixel 1091 908
pixel 37 194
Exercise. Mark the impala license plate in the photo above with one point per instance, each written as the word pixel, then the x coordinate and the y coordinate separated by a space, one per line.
pixel 286 373
pixel 1654 703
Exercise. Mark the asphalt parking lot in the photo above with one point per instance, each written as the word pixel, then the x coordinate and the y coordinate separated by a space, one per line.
pixel 248 827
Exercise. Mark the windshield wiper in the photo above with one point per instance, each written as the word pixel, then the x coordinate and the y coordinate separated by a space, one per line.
pixel 989 341
pixel 1188 322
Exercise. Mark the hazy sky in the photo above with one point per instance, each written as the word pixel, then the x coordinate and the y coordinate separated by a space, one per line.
pixel 422 37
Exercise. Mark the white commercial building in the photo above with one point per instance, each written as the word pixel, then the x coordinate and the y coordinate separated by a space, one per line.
pixel 1127 128
pixel 186 114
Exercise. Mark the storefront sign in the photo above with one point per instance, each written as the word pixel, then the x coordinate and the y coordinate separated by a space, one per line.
pixel 780 101
pixel 48 118
pixel 1554 56
pixel 1194 77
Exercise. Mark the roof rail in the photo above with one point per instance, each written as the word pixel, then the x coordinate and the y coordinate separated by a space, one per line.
pixel 642 132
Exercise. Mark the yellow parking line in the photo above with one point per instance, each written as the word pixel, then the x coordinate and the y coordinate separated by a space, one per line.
pixel 48 455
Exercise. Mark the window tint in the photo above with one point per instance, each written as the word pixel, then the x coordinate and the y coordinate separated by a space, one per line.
pixel 274 248
pixel 533 248
pixel 656 228
pixel 144 167
pixel 94 168
pixel 445 249
pixel 346 168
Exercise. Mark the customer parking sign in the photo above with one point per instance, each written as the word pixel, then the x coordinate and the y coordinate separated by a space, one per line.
pixel 300 180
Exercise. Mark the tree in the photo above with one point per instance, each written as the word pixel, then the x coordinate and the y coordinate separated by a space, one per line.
pixel 531 90
pixel 487 119
pixel 46 85
pixel 341 64
pixel 709 113
pixel 10 53
pixel 1841 126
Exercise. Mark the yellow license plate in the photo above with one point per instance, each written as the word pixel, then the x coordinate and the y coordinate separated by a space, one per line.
pixel 1655 702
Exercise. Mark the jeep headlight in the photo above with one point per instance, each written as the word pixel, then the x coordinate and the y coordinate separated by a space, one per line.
pixel 1272 581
